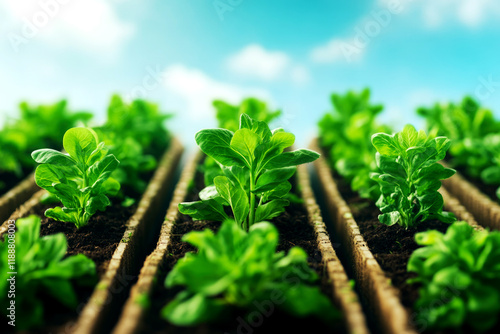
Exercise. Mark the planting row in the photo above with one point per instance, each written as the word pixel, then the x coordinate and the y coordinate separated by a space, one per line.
pixel 243 247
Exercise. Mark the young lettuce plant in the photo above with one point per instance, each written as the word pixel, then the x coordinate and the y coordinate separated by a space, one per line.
pixel 256 172
pixel 43 270
pixel 410 177
pixel 345 134
pixel 239 269
pixel 80 179
pixel 228 117
pixel 459 273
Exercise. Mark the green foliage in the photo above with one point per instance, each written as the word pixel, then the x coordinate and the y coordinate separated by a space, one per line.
pixel 43 273
pixel 37 127
pixel 136 135
pixel 254 168
pixel 472 131
pixel 460 276
pixel 228 115
pixel 346 133
pixel 80 179
pixel 410 177
pixel 234 268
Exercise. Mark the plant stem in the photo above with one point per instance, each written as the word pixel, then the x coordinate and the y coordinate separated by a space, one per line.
pixel 251 216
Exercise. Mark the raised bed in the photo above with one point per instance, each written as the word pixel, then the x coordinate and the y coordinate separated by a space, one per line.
pixel 16 196
pixel 484 209
pixel 139 312
pixel 382 301
pixel 119 270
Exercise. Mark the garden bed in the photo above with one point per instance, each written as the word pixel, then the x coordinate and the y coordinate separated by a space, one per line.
pixel 485 209
pixel 16 196
pixel 141 312
pixel 378 266
pixel 117 240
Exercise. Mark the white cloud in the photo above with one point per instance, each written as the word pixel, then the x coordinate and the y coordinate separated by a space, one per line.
pixel 435 13
pixel 338 50
pixel 91 26
pixel 198 90
pixel 256 62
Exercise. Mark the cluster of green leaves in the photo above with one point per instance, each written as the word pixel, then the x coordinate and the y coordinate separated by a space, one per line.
pixel 136 135
pixel 255 172
pixel 228 117
pixel 37 127
pixel 240 269
pixel 410 177
pixel 80 179
pixel 346 133
pixel 460 276
pixel 473 132
pixel 42 271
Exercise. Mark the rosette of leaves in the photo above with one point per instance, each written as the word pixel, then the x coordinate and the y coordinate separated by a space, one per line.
pixel 44 272
pixel 410 177
pixel 80 179
pixel 466 124
pixel 255 172
pixel 459 274
pixel 346 132
pixel 235 269
pixel 228 117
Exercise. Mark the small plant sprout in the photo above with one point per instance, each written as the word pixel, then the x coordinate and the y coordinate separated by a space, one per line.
pixel 80 179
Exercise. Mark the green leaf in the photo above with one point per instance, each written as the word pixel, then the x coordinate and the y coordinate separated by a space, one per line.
pixel 235 196
pixel 385 144
pixel 270 179
pixel 293 158
pixel 216 143
pixel 49 156
pixel 244 143
pixel 80 143
pixel 390 218
pixel 190 310
pixel 204 210
pixel 270 210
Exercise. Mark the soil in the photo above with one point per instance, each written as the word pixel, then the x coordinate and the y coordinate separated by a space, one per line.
pixel 294 230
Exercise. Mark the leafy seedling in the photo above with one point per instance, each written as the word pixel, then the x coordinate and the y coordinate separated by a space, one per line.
pixel 410 177
pixel 80 179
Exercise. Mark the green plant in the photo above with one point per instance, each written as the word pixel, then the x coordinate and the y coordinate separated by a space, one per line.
pixel 136 135
pixel 459 273
pixel 240 269
pixel 36 127
pixel 228 115
pixel 465 124
pixel 256 172
pixel 345 133
pixel 491 173
pixel 410 177
pixel 80 179
pixel 42 270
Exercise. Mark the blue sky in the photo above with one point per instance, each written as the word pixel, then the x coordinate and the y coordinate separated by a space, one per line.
pixel 182 54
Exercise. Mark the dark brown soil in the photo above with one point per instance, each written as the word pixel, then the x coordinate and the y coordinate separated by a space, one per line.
pixel 294 231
